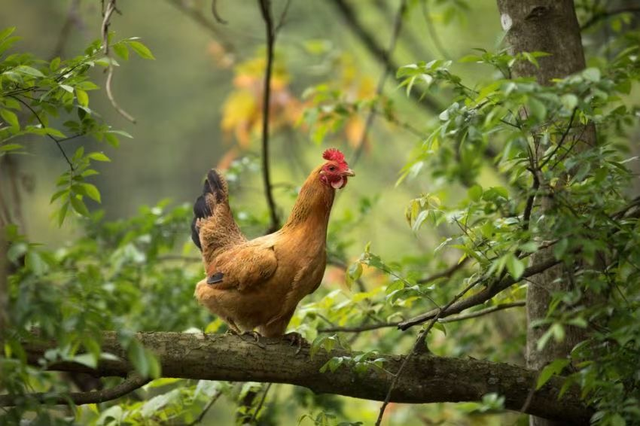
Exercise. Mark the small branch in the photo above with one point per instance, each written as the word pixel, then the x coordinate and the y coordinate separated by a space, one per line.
pixel 418 347
pixel 110 8
pixel 283 17
pixel 131 383
pixel 359 329
pixel 484 312
pixel 265 8
pixel 377 326
pixel 254 417
pixel 204 23
pixel 605 15
pixel 397 26
pixel 206 409
pixel 379 53
pixel 528 208
pixel 56 140
pixel 72 18
pixel 559 144
pixel 432 31
pixel 480 297
pixel 216 15
pixel 444 274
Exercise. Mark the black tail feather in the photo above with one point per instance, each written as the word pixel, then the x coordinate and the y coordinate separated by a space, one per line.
pixel 212 185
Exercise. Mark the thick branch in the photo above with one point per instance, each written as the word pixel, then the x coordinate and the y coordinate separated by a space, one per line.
pixel 426 379
pixel 131 383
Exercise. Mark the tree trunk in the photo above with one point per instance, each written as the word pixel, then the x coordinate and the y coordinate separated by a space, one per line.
pixel 426 378
pixel 547 26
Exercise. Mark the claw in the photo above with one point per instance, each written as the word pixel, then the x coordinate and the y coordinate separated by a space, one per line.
pixel 256 336
pixel 296 339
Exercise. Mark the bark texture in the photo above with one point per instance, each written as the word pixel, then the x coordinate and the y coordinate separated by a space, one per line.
pixel 548 26
pixel 427 378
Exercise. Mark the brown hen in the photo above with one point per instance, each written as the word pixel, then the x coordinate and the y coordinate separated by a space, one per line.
pixel 257 284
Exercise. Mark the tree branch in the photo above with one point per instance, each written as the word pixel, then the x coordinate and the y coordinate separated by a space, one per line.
pixel 604 15
pixel 444 274
pixel 199 18
pixel 480 297
pixel 131 383
pixel 397 26
pixel 483 312
pixel 265 8
pixel 56 140
pixel 427 378
pixel 377 326
pixel 379 53
pixel 107 13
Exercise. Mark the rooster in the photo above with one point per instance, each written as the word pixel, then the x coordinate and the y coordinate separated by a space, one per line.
pixel 257 284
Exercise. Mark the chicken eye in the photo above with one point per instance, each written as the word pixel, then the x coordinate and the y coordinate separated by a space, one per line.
pixel 332 168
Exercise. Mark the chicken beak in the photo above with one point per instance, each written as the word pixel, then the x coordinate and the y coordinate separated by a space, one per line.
pixel 348 172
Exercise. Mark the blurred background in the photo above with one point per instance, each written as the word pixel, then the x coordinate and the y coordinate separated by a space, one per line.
pixel 197 105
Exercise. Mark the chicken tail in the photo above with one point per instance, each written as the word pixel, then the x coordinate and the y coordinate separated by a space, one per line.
pixel 213 192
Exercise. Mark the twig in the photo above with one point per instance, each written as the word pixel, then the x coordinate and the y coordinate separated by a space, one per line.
pixel 480 297
pixel 419 347
pixel 216 15
pixel 379 53
pixel 283 16
pixel 397 26
pixel 201 20
pixel 72 17
pixel 484 312
pixel 109 9
pixel 359 329
pixel 444 274
pixel 432 31
pixel 131 383
pixel 56 140
pixel 377 326
pixel 259 407
pixel 604 15
pixel 559 144
pixel 265 8
pixel 206 409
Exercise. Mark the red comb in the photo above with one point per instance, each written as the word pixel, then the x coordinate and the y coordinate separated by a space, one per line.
pixel 333 154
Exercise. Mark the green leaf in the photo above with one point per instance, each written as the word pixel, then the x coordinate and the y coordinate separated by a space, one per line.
pixel 25 69
pixel 592 74
pixel 121 50
pixel 98 156
pixel 10 118
pixel 79 206
pixel 6 32
pixel 83 98
pixel 142 50
pixel 91 191
pixel 475 193
pixel 569 101
pixel 553 369
pixel 35 263
pixel 538 109
pixel 515 266
pixel 138 358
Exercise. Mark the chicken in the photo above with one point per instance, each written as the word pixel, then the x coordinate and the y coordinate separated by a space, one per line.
pixel 257 284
